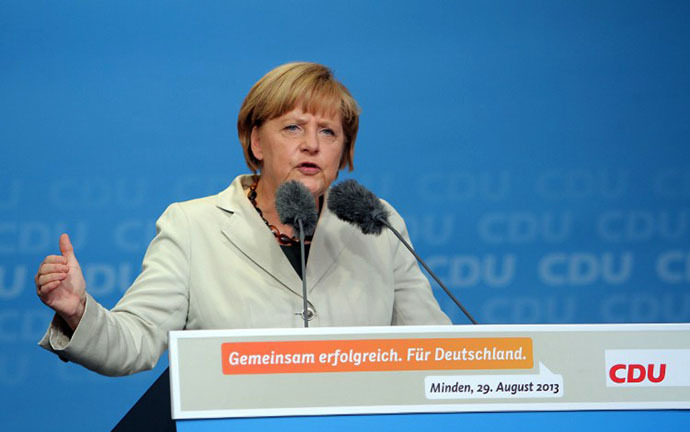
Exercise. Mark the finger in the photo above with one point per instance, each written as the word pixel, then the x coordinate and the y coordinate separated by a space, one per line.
pixel 55 259
pixel 52 268
pixel 44 279
pixel 66 248
pixel 47 288
pixel 50 259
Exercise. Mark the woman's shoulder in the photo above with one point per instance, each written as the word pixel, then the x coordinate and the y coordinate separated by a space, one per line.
pixel 227 199
pixel 393 216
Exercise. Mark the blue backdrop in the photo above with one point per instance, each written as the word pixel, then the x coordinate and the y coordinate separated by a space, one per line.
pixel 537 149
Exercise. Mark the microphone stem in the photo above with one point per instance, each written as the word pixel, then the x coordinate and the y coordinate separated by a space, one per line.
pixel 305 303
pixel 438 281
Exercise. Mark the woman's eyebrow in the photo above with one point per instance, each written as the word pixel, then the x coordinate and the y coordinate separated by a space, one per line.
pixel 299 118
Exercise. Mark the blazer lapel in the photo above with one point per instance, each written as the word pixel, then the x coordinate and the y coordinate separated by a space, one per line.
pixel 330 238
pixel 247 231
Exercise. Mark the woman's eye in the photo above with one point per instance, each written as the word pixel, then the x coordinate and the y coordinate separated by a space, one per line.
pixel 292 128
pixel 328 132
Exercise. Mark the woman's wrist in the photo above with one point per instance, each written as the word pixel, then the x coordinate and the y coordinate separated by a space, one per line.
pixel 74 319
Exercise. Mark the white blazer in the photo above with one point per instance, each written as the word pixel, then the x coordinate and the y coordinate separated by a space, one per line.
pixel 215 265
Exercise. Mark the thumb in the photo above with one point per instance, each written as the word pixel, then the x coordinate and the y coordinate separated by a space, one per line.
pixel 67 249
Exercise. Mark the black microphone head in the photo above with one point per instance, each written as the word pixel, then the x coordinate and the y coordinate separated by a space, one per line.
pixel 354 203
pixel 294 202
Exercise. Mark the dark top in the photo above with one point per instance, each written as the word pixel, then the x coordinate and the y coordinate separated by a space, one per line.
pixel 292 253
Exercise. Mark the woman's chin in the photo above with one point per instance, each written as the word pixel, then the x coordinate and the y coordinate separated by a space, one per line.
pixel 316 190
pixel 315 186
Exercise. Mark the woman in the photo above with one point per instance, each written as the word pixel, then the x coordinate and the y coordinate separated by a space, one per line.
pixel 224 261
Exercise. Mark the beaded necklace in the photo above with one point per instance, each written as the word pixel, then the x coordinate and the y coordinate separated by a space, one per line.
pixel 283 239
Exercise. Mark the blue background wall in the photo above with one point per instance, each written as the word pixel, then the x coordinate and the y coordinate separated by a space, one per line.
pixel 538 150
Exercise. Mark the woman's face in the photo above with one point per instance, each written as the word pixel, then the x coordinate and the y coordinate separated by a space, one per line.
pixel 299 146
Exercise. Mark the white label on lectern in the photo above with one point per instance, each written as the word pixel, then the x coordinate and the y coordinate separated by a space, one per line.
pixel 544 385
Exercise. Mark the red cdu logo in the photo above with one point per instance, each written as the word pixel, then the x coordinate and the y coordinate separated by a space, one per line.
pixel 637 373
pixel 648 368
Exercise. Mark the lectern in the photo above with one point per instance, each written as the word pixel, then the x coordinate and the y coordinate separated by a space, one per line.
pixel 407 378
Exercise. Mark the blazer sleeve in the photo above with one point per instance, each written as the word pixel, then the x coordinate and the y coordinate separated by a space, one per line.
pixel 414 302
pixel 132 336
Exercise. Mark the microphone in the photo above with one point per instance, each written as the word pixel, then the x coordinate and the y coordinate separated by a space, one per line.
pixel 296 207
pixel 355 204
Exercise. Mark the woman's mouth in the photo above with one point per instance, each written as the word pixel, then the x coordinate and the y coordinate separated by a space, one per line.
pixel 308 168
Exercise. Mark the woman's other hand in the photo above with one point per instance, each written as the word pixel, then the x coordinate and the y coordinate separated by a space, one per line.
pixel 60 284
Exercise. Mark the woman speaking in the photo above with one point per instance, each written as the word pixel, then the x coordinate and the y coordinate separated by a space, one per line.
pixel 226 261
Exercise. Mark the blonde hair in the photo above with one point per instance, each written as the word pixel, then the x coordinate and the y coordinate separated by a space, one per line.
pixel 311 86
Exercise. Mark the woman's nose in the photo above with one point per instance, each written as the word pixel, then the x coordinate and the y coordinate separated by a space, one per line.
pixel 310 142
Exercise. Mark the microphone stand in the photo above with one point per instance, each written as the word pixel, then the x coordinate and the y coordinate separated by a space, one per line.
pixel 438 281
pixel 304 274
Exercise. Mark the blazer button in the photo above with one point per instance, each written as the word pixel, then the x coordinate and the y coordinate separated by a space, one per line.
pixel 311 313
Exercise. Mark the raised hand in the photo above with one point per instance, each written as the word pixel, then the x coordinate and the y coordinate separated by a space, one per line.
pixel 60 284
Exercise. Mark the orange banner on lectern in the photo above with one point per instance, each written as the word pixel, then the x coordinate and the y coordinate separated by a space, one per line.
pixel 376 355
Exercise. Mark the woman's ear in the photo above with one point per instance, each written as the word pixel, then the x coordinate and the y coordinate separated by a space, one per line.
pixel 255 144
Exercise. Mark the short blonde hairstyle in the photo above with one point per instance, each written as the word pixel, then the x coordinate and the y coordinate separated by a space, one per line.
pixel 310 85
